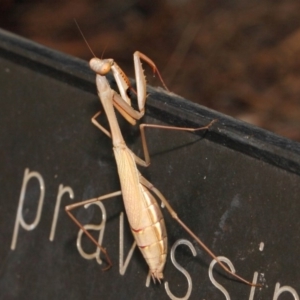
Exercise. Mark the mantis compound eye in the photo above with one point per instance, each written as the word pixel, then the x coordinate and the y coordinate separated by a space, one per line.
pixel 104 68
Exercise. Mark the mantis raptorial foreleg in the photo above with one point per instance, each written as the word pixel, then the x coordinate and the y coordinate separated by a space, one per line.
pixel 82 203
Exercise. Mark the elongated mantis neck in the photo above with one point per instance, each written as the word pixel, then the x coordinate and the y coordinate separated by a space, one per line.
pixel 106 96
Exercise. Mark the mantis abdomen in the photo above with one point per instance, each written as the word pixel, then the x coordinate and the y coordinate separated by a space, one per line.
pixel 144 215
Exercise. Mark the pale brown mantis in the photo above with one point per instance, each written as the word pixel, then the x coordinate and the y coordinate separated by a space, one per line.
pixel 144 215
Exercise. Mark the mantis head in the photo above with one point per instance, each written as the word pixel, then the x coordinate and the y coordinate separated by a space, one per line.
pixel 101 66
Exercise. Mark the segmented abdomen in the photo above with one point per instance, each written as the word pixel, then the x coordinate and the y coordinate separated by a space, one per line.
pixel 151 236
pixel 144 215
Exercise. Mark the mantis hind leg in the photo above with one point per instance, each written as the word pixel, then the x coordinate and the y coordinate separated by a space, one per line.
pixel 82 203
pixel 174 215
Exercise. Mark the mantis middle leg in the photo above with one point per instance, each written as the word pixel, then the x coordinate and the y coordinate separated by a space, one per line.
pixel 146 161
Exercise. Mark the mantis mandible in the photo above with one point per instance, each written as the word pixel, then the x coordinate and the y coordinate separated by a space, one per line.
pixel 144 215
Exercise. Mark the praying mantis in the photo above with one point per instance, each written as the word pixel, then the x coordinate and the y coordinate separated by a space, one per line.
pixel 144 215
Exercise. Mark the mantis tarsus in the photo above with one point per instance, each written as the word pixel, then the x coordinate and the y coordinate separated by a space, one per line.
pixel 144 215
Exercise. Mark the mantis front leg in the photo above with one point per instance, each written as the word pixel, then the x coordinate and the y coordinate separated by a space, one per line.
pixel 124 83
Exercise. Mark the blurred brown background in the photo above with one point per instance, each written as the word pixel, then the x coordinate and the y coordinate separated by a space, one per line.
pixel 238 57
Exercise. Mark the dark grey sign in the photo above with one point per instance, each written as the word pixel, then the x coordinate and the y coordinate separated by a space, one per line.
pixel 236 186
